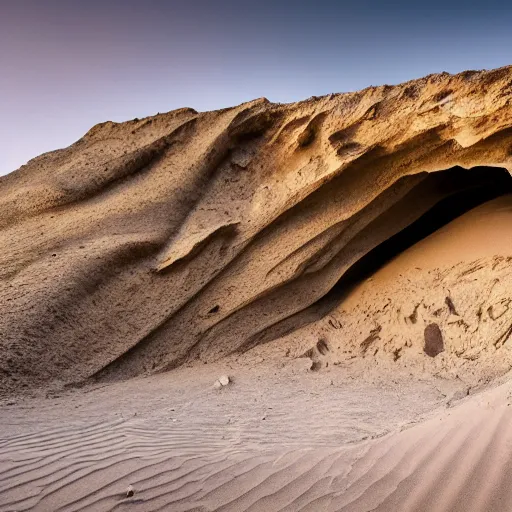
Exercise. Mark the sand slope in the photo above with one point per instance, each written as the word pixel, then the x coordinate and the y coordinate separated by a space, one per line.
pixel 456 281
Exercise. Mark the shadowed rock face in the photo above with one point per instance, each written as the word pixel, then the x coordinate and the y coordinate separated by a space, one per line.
pixel 192 235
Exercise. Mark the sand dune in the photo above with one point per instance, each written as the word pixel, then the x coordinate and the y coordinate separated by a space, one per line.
pixel 183 456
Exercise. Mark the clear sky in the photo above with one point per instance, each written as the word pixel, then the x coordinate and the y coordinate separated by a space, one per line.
pixel 66 65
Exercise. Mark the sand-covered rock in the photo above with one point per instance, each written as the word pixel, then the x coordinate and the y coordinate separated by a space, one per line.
pixel 188 235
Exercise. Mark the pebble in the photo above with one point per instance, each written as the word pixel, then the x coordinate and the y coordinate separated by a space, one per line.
pixel 224 380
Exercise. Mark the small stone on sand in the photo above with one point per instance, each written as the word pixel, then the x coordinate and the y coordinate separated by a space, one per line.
pixel 224 380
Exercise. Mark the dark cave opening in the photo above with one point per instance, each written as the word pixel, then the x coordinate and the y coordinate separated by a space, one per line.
pixel 459 190
pixel 466 190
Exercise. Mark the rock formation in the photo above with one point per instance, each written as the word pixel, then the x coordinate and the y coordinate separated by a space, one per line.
pixel 186 235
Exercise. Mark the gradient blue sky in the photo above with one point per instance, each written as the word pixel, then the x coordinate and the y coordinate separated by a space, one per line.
pixel 66 65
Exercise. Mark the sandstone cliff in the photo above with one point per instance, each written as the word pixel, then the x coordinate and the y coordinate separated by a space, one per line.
pixel 188 235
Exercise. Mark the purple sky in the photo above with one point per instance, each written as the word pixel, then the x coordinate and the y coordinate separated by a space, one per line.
pixel 66 65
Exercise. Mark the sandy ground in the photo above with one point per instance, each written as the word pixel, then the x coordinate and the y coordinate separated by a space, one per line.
pixel 82 448
pixel 278 437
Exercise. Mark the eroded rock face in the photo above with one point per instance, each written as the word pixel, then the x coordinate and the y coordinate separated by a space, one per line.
pixel 193 235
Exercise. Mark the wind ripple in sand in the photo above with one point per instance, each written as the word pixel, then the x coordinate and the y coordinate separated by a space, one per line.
pixel 449 463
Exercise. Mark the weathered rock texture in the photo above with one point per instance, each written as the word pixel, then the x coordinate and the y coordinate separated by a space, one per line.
pixel 192 235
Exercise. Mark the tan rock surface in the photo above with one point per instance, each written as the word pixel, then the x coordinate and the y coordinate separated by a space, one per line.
pixel 194 235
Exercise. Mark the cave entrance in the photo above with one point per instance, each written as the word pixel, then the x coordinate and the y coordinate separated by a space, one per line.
pixel 461 191
pixel 452 193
